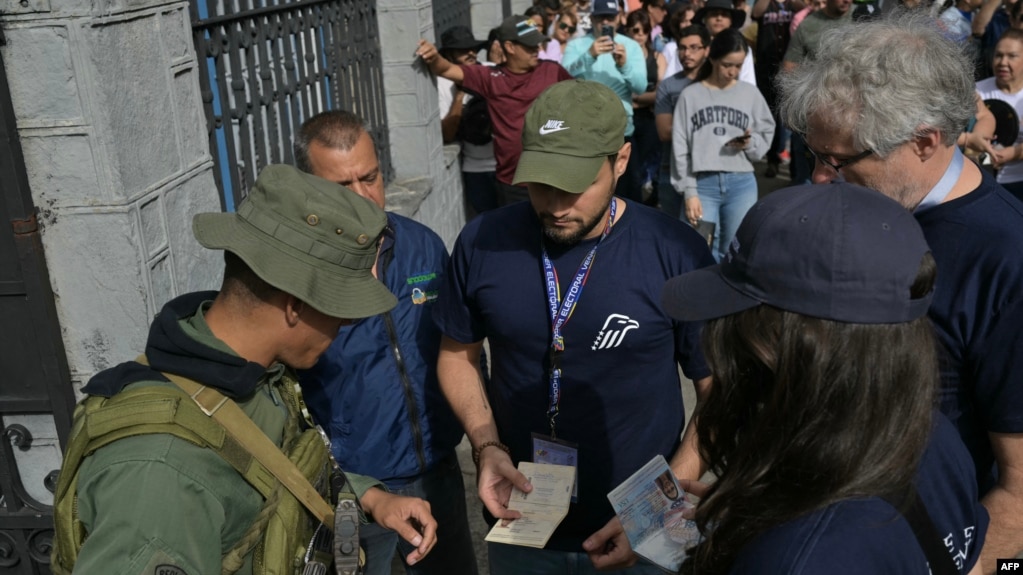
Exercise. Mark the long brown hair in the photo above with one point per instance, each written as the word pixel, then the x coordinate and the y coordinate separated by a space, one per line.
pixel 805 412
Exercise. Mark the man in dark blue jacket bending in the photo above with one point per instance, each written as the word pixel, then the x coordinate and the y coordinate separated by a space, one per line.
pixel 375 390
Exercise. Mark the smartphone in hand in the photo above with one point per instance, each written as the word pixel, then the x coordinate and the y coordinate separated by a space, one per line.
pixel 607 30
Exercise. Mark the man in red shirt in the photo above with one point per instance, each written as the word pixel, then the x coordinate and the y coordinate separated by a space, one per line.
pixel 508 88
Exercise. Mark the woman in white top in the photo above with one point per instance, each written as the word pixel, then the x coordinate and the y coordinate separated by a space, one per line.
pixel 1007 85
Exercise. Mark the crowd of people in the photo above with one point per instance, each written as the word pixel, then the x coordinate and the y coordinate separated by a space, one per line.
pixel 854 341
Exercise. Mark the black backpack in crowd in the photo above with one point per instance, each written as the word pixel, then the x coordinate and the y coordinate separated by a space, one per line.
pixel 475 126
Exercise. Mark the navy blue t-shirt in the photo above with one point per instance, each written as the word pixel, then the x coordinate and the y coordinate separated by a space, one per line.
pixel 868 535
pixel 977 241
pixel 621 399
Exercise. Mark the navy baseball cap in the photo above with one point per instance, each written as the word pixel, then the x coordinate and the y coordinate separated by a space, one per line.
pixel 604 7
pixel 833 251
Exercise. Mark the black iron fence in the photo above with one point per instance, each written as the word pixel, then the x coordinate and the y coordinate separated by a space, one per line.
pixel 36 383
pixel 448 13
pixel 268 65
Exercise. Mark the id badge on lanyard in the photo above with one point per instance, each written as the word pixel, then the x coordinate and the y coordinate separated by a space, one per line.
pixel 548 448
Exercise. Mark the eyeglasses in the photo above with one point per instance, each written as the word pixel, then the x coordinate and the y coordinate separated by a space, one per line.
pixel 567 27
pixel 637 30
pixel 812 155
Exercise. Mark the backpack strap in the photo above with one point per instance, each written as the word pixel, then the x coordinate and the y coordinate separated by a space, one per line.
pixel 100 421
pixel 225 412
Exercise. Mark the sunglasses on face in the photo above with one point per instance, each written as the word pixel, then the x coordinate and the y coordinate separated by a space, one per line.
pixel 637 31
pixel 567 27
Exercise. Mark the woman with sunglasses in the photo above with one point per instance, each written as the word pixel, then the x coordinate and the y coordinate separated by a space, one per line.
pixel 719 128
pixel 564 28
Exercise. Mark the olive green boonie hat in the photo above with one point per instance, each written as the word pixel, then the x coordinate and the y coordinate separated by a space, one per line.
pixel 308 237
pixel 568 133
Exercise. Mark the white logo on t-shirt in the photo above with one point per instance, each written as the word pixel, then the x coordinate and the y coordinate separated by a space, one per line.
pixel 552 126
pixel 960 555
pixel 614 330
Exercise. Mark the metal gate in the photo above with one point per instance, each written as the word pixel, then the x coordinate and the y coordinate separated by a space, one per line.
pixel 267 65
pixel 448 13
pixel 36 382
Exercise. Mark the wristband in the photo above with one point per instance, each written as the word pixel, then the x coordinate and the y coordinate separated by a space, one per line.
pixel 476 452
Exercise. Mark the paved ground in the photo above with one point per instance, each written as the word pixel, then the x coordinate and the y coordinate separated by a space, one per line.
pixel 479 528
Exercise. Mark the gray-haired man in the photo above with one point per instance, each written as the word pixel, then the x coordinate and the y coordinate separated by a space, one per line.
pixel 881 106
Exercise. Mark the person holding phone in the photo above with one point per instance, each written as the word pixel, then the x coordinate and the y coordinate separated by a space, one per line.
pixel 720 127
pixel 616 61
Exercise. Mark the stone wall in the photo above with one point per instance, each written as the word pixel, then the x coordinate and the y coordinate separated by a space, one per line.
pixel 107 102
pixel 428 185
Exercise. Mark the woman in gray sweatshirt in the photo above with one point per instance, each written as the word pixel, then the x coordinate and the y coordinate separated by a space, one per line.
pixel 720 127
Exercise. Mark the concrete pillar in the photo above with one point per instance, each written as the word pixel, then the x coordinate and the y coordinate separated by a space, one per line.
pixel 486 15
pixel 107 101
pixel 412 115
pixel 425 178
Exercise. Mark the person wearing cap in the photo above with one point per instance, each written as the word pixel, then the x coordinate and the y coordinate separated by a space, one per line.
pixel 616 61
pixel 719 15
pixel 566 291
pixel 479 180
pixel 509 89
pixel 857 129
pixel 375 389
pixel 298 259
pixel 821 427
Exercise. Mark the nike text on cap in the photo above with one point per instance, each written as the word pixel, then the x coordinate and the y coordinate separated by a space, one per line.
pixel 569 131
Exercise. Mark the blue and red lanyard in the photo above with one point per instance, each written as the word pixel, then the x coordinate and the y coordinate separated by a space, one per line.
pixel 561 311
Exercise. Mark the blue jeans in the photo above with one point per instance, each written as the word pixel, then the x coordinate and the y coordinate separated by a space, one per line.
pixel 453 555
pixel 518 560
pixel 725 197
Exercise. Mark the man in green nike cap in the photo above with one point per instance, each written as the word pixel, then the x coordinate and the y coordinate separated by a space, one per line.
pixel 566 288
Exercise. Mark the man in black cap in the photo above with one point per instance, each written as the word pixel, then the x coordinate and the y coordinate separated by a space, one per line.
pixel 508 88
